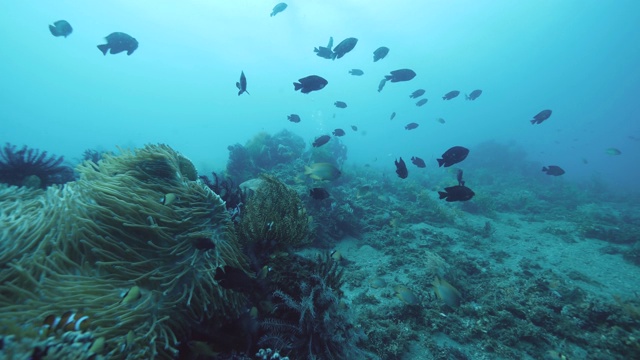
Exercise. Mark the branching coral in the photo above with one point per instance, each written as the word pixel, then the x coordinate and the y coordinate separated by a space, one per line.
pixel 32 168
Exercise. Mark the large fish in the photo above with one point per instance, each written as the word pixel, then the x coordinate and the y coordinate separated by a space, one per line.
pixel 61 28
pixel 553 170
pixel 242 84
pixel 456 193
pixel 321 140
pixel 453 156
pixel 310 83
pixel 118 42
pixel 380 53
pixel 344 47
pixel 322 171
pixel 541 116
pixel 401 75
pixel 401 169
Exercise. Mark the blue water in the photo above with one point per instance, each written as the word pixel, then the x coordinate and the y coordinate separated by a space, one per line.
pixel 578 58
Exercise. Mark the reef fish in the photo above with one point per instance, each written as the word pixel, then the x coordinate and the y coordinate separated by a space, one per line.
pixel 453 156
pixel 401 169
pixel 309 84
pixel 446 292
pixel 294 118
pixel 459 177
pixel 418 162
pixel 393 114
pixel 541 116
pixel 325 52
pixel 344 47
pixel 319 193
pixel 380 53
pixel 242 84
pixel 421 102
pixel 407 296
pixel 411 126
pixel 278 9
pixel 416 94
pixel 440 120
pixel 456 193
pixel 234 279
pixel 69 321
pixel 322 171
pixel 474 94
pixel 400 75
pixel 356 72
pixel 613 151
pixel 381 84
pixel 354 128
pixel 338 132
pixel 118 42
pixel 321 140
pixel 61 28
pixel 553 170
pixel 450 95
pixel 340 104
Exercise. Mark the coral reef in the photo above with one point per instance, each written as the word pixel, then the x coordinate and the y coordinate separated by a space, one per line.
pixel 32 168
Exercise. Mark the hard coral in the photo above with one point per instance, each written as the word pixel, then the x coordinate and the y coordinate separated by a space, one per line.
pixel 31 167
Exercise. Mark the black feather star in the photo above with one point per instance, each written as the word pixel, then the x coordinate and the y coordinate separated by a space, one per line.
pixel 31 167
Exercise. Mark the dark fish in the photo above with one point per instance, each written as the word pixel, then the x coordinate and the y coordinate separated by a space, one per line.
pixel 356 72
pixel 450 95
pixel 553 170
pixel 278 9
pixel 416 94
pixel 318 193
pixel 325 52
pixel 456 193
pixel 344 47
pixel 459 177
pixel 393 114
pixel 309 84
pixel 118 42
pixel 418 162
pixel 340 104
pixel 294 118
pixel 401 169
pixel 233 278
pixel 541 116
pixel 321 140
pixel 381 85
pixel 354 128
pixel 411 126
pixel 613 151
pixel 338 132
pixel 60 28
pixel 421 102
pixel 474 94
pixel 401 75
pixel 453 156
pixel 203 243
pixel 242 84
pixel 380 53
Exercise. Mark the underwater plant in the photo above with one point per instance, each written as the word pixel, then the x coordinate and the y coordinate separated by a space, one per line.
pixel 32 168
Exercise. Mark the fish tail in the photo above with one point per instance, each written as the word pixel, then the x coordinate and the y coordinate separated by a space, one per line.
pixel 533 121
pixel 545 169
pixel 442 194
pixel 444 98
pixel 297 86
pixel 307 170
pixel 104 48
pixel 440 162
pixel 388 77
pixel 467 97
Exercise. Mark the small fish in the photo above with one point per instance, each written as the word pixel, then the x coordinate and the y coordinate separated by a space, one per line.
pixel 168 199
pixel 613 151
pixel 242 84
pixel 354 128
pixel 97 347
pixel 380 53
pixel 553 170
pixel 321 140
pixel 118 42
pixel 456 193
pixel 446 292
pixel 309 84
pixel 459 177
pixel 356 72
pixel 340 104
pixel 440 120
pixel 381 85
pixel 131 295
pixel 69 321
pixel 407 296
pixel 61 28
pixel 421 102
pixel 453 156
pixel 263 272
pixel 338 132
pixel 541 116
pixel 401 75
pixel 393 115
pixel 278 9
pixel 401 169
pixel 204 243
pixel 294 118
pixel 418 162
pixel 233 279
pixel 344 47
pixel 450 95
pixel 411 126
pixel 377 283
pixel 416 94
pixel 325 52
pixel 201 348
pixel 474 94
pixel 319 193
pixel 322 171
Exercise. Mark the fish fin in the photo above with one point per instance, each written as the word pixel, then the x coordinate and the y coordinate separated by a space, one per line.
pixel 545 169
pixel 297 86
pixel 440 162
pixel 247 92
pixel 238 85
pixel 316 50
pixel 54 30
pixel 442 194
pixel 388 77
pixel 533 121
pixel 467 97
pixel 104 48
pixel 307 170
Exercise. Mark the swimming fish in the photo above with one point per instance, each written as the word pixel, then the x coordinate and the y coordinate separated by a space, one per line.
pixel 354 128
pixel 474 94
pixel 344 47
pixel 310 83
pixel 450 95
pixel 319 193
pixel 446 292
pixel 401 75
pixel 321 140
pixel 453 156
pixel 553 170
pixel 440 120
pixel 613 151
pixel 322 171
pixel 340 104
pixel 393 114
pixel 456 193
pixel 356 72
pixel 131 295
pixel 541 116
pixel 233 278
pixel 118 42
pixel 325 52
pixel 61 28
pixel 401 169
pixel 381 85
pixel 293 118
pixel 380 53
pixel 69 321
pixel 411 126
pixel 418 162
pixel 204 243
pixel 407 296
pixel 459 177
pixel 278 9
pixel 168 199
pixel 416 94
pixel 421 102
pixel 242 84
pixel 338 132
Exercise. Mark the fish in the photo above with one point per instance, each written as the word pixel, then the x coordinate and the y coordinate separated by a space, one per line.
pixel 204 243
pixel 453 156
pixel 356 72
pixel 278 9
pixel 69 321
pixel 613 151
pixel 131 295
pixel 450 95
pixel 321 140
pixel 338 132
pixel 309 84
pixel 61 28
pixel 407 296
pixel 294 118
pixel 168 199
pixel 381 85
pixel 233 278
pixel 344 47
pixel 541 116
pixel 202 348
pixel 421 102
pixel 553 170
pixel 354 128
pixel 263 272
pixel 474 94
pixel 418 162
pixel 393 115
pixel 325 52
pixel 242 84
pixel 401 169
pixel 319 193
pixel 340 104
pixel 459 177
pixel 456 193
pixel 446 292
pixel 380 53
pixel 416 94
pixel 322 171
pixel 440 120
pixel 377 283
pixel 400 75
pixel 118 42
pixel 411 126
pixel 97 347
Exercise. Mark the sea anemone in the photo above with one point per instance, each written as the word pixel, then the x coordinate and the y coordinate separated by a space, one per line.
pixel 32 168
